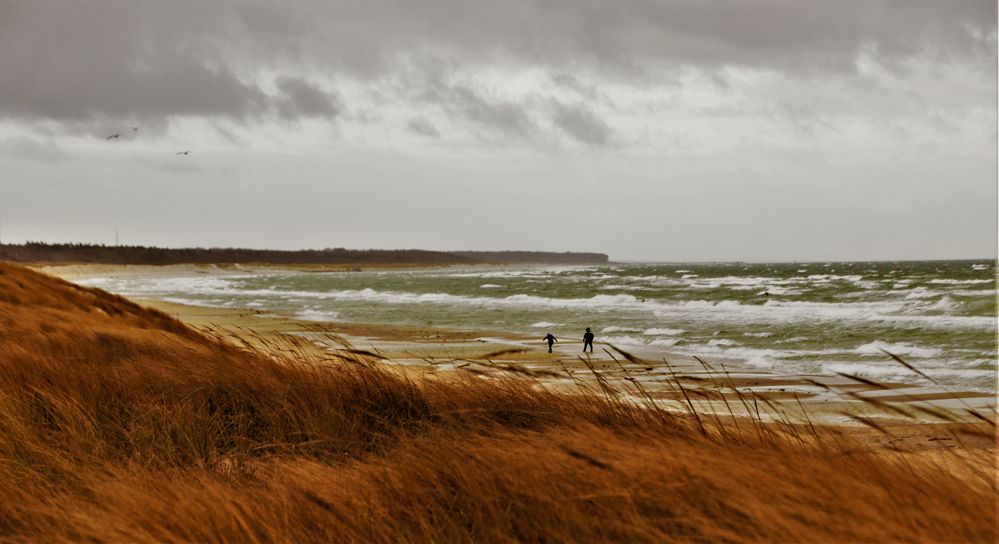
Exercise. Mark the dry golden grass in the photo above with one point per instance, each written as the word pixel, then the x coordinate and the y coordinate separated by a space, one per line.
pixel 120 424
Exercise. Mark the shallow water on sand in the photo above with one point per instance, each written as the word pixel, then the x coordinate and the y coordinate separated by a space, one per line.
pixel 815 318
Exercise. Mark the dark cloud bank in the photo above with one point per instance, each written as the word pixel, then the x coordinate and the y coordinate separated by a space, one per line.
pixel 81 63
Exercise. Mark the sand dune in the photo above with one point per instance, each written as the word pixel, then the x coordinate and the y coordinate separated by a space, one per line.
pixel 120 423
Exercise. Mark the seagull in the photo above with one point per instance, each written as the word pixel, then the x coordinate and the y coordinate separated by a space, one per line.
pixel 115 135
pixel 182 153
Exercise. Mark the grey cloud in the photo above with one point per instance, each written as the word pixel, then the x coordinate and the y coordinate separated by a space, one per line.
pixel 303 99
pixel 423 127
pixel 778 34
pixel 105 62
pixel 74 61
pixel 491 113
pixel 432 82
pixel 571 83
pixel 582 124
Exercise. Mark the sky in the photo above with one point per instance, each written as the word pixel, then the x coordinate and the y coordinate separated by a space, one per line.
pixel 756 130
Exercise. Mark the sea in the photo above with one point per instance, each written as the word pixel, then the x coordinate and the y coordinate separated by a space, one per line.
pixel 793 318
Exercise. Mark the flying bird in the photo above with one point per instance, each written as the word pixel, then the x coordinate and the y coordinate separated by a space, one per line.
pixel 115 135
pixel 135 129
pixel 182 153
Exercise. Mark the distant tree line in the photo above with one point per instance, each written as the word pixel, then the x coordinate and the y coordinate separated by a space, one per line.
pixel 94 253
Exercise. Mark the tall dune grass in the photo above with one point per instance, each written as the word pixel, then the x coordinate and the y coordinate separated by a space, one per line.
pixel 118 423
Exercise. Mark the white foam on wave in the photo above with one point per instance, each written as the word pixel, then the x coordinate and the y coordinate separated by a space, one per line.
pixel 918 293
pixel 757 358
pixel 789 361
pixel 910 312
pixel 662 332
pixel 973 292
pixel 623 341
pixel 619 287
pixel 490 286
pixel 777 290
pixel 897 313
pixel 959 282
pixel 833 277
pixel 191 302
pixel 317 315
pixel 945 304
pixel 528 273
pixel 615 328
pixel 970 378
pixel 544 324
pixel 900 348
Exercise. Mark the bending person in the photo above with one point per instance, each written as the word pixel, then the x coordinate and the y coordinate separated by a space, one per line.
pixel 551 340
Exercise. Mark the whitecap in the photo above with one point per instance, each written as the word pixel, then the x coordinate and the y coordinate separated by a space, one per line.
pixel 663 332
pixel 899 348
pixel 622 341
pixel 945 304
pixel 317 315
pixel 615 328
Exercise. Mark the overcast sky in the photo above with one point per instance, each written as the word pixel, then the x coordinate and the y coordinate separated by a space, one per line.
pixel 666 130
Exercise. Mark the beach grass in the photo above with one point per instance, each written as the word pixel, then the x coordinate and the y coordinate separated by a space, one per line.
pixel 119 423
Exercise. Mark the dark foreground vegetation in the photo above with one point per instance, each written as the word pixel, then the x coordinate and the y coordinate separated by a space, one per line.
pixel 93 253
pixel 118 423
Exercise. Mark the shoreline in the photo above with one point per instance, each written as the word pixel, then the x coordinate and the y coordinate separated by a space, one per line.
pixel 423 350
pixel 407 349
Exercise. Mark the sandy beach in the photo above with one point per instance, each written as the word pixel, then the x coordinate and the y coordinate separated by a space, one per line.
pixel 924 416
pixel 282 410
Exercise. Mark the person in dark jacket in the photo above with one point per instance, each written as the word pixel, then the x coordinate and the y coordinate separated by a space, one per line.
pixel 551 340
pixel 588 340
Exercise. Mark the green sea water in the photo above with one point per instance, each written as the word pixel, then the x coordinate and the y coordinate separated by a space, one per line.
pixel 816 318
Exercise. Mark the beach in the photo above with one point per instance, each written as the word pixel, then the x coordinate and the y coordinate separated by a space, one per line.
pixel 148 420
pixel 715 381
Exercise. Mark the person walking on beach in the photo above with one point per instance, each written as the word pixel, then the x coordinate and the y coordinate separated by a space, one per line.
pixel 588 340
pixel 551 340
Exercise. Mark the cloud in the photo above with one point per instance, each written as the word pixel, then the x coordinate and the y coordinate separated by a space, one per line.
pixel 97 64
pixel 75 62
pixel 423 127
pixel 488 112
pixel 582 124
pixel 571 83
pixel 303 99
